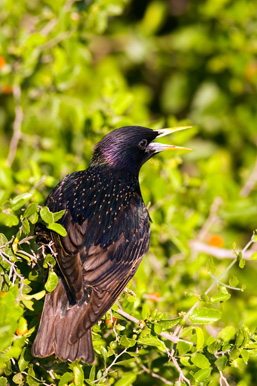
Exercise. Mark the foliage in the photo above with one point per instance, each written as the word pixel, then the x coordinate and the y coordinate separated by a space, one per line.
pixel 70 72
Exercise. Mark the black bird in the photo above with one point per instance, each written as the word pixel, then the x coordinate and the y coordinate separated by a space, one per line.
pixel 108 233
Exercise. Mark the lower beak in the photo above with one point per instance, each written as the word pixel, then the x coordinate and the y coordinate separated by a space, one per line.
pixel 158 147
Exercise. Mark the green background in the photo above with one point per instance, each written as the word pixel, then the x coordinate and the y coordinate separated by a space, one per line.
pixel 69 73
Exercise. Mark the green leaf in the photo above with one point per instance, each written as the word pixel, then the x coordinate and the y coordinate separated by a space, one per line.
pixel 221 363
pixel 127 380
pixel 33 218
pixel 52 281
pixel 205 315
pixel 31 209
pixel 8 219
pixel 25 227
pixel 46 215
pixel 49 259
pixel 58 228
pixel 167 324
pixel 220 297
pixel 145 311
pixel 65 380
pixel 245 356
pixel 3 239
pixel 127 342
pixel 185 361
pixel 3 381
pixel 201 361
pixel 227 333
pixel 233 281
pixel 24 359
pixel 199 338
pixel 92 373
pixel 78 375
pixel 201 375
pixel 239 363
pixel 37 296
pixel 18 378
pixel 183 347
pixel 151 341
pixel 254 256
pixel 58 215
pixel 20 200
pixel 31 378
pixel 241 260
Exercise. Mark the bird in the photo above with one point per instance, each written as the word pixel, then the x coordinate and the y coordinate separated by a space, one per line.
pixel 108 233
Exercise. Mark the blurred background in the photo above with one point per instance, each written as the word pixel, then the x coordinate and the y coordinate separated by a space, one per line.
pixel 71 71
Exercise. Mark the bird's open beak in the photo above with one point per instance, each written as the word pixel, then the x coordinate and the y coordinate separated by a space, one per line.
pixel 158 147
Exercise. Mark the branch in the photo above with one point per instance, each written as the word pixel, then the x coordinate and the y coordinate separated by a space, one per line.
pixel 16 125
pixel 109 367
pixel 140 323
pixel 153 374
pixel 220 253
pixel 250 183
pixel 211 218
pixel 217 280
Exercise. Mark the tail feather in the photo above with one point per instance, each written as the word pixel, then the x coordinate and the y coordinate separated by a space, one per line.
pixel 57 323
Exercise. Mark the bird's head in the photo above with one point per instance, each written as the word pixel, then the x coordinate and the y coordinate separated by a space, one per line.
pixel 129 147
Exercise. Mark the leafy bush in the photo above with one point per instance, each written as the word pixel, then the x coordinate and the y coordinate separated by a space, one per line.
pixel 70 72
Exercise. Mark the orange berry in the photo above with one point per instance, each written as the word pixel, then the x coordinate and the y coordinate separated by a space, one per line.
pixel 216 241
pixel 110 322
pixel 154 296
pixel 3 293
pixel 21 332
pixel 251 69
pixel 2 62
pixel 7 89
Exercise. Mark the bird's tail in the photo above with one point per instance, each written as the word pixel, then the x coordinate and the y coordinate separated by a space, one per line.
pixel 58 321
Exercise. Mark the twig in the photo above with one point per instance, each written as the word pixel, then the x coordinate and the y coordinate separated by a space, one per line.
pixel 250 183
pixel 113 327
pixel 53 42
pixel 218 279
pixel 7 243
pixel 13 272
pixel 48 27
pixel 140 323
pixel 225 285
pixel 26 239
pixel 211 218
pixel 32 376
pixel 219 253
pixel 16 125
pixel 154 375
pixel 109 367
pixel 223 381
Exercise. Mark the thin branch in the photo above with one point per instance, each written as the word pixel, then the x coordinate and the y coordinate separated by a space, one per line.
pixel 107 371
pixel 225 285
pixel 219 253
pixel 219 278
pixel 153 374
pixel 141 323
pixel 56 40
pixel 250 183
pixel 16 125
pixel 223 381
pixel 182 377
pixel 211 218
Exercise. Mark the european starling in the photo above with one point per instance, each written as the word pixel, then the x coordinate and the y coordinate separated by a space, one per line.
pixel 108 233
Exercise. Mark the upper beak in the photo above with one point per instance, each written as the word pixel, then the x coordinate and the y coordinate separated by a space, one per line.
pixel 158 147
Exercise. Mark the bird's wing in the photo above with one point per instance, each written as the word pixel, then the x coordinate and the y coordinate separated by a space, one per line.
pixel 107 235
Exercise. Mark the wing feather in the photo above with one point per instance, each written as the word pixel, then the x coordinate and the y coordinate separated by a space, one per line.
pixel 108 233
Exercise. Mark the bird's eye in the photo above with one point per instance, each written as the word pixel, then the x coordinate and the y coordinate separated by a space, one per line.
pixel 142 144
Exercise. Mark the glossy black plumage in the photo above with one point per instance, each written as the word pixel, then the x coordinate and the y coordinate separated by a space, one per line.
pixel 108 233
